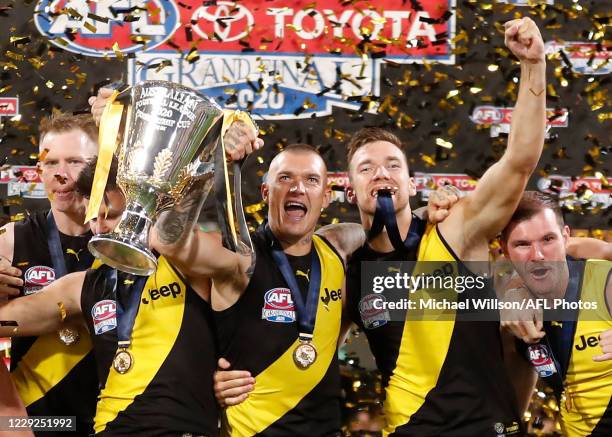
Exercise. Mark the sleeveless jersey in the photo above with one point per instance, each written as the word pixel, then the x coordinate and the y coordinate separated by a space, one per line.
pixel 169 389
pixel 587 409
pixel 51 377
pixel 259 333
pixel 442 377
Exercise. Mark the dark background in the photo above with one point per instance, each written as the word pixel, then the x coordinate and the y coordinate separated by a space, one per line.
pixel 46 78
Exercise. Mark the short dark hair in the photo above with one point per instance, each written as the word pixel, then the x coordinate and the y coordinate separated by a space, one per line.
pixel 84 182
pixel 531 203
pixel 64 122
pixel 300 147
pixel 369 135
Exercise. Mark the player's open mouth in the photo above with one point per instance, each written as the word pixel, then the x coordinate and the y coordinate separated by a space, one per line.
pixel 386 189
pixel 295 210
pixel 539 272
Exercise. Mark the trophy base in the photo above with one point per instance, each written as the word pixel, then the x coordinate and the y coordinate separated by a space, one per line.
pixel 123 255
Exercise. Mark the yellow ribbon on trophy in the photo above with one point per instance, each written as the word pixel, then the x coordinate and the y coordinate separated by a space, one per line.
pixel 229 117
pixel 107 144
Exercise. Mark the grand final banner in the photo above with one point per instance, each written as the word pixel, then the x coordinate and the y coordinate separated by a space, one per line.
pixel 280 60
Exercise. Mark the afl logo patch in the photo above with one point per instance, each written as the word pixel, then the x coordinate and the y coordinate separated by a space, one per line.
pixel 36 278
pixel 542 361
pixel 372 311
pixel 104 316
pixel 278 306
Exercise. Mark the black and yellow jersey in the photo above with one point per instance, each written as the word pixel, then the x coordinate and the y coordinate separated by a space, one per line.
pixel 587 408
pixel 52 378
pixel 169 389
pixel 259 333
pixel 442 377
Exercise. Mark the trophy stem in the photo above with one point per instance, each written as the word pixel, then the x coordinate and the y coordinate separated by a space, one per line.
pixel 126 248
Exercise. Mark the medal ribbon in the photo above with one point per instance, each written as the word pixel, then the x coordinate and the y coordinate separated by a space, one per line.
pixel 55 247
pixel 384 217
pixel 126 315
pixel 306 313
pixel 560 345
pixel 57 254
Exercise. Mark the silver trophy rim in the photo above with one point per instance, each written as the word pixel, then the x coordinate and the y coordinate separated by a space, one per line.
pixel 145 254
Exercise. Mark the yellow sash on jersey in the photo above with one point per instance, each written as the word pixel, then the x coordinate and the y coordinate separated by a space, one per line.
pixel 588 383
pixel 423 348
pixel 156 329
pixel 47 362
pixel 280 387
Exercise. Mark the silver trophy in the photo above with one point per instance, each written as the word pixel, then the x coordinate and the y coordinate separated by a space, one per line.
pixel 170 143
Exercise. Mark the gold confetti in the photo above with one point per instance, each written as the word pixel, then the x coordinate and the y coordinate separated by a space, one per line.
pixel 117 52
pixel 428 160
pixel 90 27
pixel 443 143
pixel 62 310
pixel 15 56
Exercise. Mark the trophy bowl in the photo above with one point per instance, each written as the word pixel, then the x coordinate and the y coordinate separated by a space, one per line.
pixel 169 143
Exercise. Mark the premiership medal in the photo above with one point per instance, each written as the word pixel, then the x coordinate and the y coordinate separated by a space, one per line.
pixel 68 336
pixel 304 355
pixel 123 361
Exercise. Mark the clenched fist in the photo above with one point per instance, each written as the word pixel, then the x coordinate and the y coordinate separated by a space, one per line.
pixel 524 40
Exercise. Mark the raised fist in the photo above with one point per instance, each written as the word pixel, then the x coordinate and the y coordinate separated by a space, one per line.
pixel 523 38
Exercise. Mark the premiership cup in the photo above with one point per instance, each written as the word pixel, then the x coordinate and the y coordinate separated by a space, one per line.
pixel 170 140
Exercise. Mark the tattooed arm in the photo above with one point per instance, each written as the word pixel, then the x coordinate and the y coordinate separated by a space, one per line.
pixel 198 255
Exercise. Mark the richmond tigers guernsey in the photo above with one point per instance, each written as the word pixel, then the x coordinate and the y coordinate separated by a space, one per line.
pixel 51 377
pixel 169 389
pixel 587 409
pixel 442 377
pixel 259 333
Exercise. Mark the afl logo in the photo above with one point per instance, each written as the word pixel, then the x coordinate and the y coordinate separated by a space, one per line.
pixel 278 306
pixel 372 311
pixel 542 360
pixel 92 28
pixel 104 316
pixel 39 276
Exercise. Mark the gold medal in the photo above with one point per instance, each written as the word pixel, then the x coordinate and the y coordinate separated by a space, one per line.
pixel 304 355
pixel 68 336
pixel 123 361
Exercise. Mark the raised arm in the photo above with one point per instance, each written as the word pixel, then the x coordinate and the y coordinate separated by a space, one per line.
pixel 488 208
pixel 45 311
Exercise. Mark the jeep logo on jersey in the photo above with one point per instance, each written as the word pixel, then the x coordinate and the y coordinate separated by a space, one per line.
pixel 94 27
pixel 104 316
pixel 373 313
pixel 39 276
pixel 252 54
pixel 278 306
pixel 541 359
